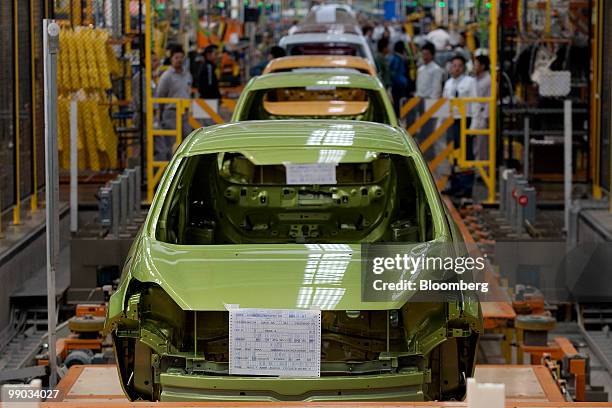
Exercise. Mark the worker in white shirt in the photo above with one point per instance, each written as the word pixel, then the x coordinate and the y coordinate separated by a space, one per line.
pixel 175 82
pixel 294 27
pixel 440 38
pixel 428 87
pixel 459 85
pixel 480 118
pixel 429 74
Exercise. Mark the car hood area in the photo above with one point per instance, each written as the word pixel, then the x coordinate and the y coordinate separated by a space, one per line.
pixel 279 276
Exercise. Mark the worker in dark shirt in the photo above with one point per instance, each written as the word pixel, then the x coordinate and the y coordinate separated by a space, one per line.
pixel 208 84
pixel 274 52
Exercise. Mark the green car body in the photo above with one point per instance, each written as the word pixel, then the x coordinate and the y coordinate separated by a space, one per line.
pixel 321 79
pixel 168 317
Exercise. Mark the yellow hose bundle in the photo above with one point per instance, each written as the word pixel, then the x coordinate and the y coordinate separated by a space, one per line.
pixel 103 68
pixel 113 62
pixel 86 60
pixel 72 65
pixel 61 64
pixel 80 64
pixel 108 139
pixel 85 65
pixel 94 54
pixel 91 134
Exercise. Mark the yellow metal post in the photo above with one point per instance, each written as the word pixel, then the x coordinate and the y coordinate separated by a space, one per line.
pixel 149 100
pixel 462 132
pixel 127 17
pixel 17 208
pixel 180 106
pixel 596 51
pixel 127 84
pixel 548 24
pixel 493 102
pixel 34 198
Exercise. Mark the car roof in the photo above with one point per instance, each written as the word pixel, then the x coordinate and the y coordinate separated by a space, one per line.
pixel 319 61
pixel 318 7
pixel 329 13
pixel 322 38
pixel 313 79
pixel 333 29
pixel 277 141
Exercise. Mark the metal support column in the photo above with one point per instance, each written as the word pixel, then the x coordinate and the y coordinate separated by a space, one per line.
pixel 33 41
pixel 115 207
pixel 74 167
pixel 17 110
pixel 493 19
pixel 567 162
pixel 149 99
pixel 50 49
pixel 526 142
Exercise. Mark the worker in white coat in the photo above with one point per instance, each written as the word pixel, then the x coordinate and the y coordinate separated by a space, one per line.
pixel 429 80
pixel 459 85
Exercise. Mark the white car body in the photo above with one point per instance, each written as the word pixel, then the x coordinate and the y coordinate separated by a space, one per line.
pixel 358 42
pixel 330 14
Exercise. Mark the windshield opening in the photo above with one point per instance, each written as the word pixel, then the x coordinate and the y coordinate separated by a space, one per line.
pixel 326 49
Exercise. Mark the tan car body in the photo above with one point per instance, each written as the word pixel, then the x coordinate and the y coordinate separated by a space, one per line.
pixel 319 61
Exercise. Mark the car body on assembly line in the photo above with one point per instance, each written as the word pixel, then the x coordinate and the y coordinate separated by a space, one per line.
pixel 227 227
pixel 327 43
pixel 322 94
pixel 331 13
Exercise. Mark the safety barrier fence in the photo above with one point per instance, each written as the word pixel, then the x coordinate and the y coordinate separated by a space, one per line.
pixel 21 111
pixel 183 107
pixel 443 112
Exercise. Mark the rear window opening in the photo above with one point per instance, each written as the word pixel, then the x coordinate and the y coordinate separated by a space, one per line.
pixel 323 70
pixel 324 101
pixel 326 49
pixel 328 28
pixel 226 199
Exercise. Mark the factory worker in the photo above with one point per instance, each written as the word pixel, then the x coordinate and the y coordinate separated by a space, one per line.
pixel 459 85
pixel 175 82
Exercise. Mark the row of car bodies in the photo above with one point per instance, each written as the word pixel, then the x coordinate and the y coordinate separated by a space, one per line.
pixel 329 29
pixel 227 226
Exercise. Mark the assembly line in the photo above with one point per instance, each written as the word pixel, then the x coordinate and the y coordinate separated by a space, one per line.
pixel 402 203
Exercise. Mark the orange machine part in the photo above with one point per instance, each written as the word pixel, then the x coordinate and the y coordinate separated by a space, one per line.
pixel 91 310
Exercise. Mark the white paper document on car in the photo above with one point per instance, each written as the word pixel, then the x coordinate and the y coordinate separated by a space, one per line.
pixel 311 173
pixel 275 342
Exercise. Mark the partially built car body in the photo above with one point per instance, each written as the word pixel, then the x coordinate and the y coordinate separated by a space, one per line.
pixel 322 94
pixel 328 42
pixel 226 227
pixel 310 63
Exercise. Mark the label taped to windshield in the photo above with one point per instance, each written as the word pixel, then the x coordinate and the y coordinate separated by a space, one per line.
pixel 275 342
pixel 311 173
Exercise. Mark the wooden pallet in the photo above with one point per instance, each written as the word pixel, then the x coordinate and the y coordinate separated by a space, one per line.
pixel 98 386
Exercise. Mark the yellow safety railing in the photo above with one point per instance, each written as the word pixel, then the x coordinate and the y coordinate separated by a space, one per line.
pixel 486 168
pixel 595 111
pixel 155 168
